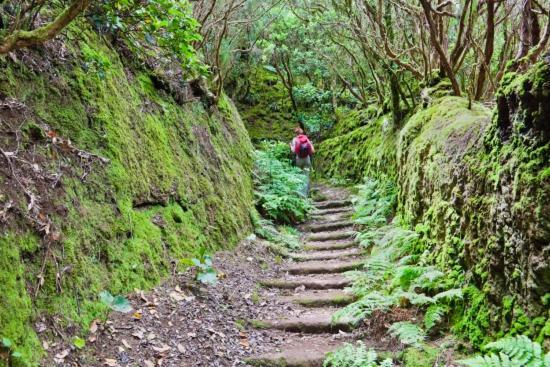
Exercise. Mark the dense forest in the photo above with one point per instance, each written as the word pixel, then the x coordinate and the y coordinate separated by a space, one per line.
pixel 154 214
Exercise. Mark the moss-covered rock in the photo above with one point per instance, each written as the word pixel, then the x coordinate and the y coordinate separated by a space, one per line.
pixel 178 179
pixel 365 148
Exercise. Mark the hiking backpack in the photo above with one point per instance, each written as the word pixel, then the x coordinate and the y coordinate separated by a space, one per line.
pixel 303 146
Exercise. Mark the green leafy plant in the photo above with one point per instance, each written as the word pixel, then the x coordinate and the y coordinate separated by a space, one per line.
pixel 115 303
pixel 518 351
pixel 164 28
pixel 355 356
pixel 280 188
pixel 78 342
pixel 407 333
pixel 7 344
pixel 206 273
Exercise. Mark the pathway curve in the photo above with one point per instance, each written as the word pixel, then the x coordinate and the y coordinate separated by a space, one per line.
pixel 314 281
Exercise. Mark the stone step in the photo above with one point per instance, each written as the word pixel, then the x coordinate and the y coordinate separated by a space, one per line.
pixel 329 218
pixel 326 255
pixel 318 282
pixel 329 246
pixel 330 226
pixel 297 352
pixel 325 267
pixel 330 211
pixel 331 236
pixel 331 204
pixel 312 322
pixel 323 298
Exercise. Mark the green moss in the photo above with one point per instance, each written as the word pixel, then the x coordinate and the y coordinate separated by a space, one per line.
pixel 266 109
pixel 365 151
pixel 178 179
pixel 473 322
pixel 16 308
pixel 425 356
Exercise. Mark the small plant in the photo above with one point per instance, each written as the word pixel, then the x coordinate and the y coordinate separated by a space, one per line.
pixel 7 345
pixel 115 303
pixel 355 356
pixel 518 351
pixel 206 273
pixel 407 333
pixel 280 188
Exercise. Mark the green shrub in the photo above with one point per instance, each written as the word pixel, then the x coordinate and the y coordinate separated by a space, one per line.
pixel 280 188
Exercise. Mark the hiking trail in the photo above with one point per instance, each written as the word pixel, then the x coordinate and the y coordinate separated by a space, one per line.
pixel 316 283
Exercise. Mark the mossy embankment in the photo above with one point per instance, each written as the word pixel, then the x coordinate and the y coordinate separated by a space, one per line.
pixel 475 183
pixel 178 178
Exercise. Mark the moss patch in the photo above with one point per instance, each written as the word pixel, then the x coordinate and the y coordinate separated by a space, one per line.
pixel 178 179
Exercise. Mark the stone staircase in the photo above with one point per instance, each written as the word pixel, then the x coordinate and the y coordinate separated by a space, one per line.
pixel 329 249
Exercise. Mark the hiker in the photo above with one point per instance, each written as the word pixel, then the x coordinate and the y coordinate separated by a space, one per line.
pixel 302 148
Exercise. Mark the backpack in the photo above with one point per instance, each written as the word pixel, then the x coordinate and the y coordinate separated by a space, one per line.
pixel 303 146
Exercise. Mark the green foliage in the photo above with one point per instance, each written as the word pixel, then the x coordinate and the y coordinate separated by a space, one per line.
pixel 355 356
pixel 152 25
pixel 374 202
pixel 434 314
pixel 115 303
pixel 205 272
pixel 407 333
pixel 517 351
pixel 280 187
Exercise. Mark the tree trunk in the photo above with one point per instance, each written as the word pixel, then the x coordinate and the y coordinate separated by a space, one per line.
pixel 485 65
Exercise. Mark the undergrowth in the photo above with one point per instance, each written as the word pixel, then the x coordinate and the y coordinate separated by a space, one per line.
pixel 399 273
pixel 355 356
pixel 280 188
pixel 519 351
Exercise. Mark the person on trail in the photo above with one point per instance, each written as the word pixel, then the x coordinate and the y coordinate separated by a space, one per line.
pixel 302 148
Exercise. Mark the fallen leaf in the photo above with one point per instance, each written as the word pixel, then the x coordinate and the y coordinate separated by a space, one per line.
pixel 62 355
pixel 137 315
pixel 93 327
pixel 245 343
pixel 181 348
pixel 126 344
pixel 138 334
pixel 176 296
pixel 162 349
pixel 111 362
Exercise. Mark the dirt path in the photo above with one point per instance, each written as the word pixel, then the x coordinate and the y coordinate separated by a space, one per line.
pixel 264 310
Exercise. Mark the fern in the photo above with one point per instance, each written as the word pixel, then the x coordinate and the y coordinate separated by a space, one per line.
pixel 449 295
pixel 418 299
pixel 355 356
pixel 519 351
pixel 434 314
pixel 365 306
pixel 407 333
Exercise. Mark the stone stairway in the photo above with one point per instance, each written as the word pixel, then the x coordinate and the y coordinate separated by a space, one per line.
pixel 329 248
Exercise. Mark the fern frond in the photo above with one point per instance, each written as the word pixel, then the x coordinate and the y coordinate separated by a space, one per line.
pixel 449 295
pixel 434 314
pixel 417 299
pixel 518 351
pixel 407 333
pixel 365 306
pixel 520 348
pixel 492 360
pixel 354 356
